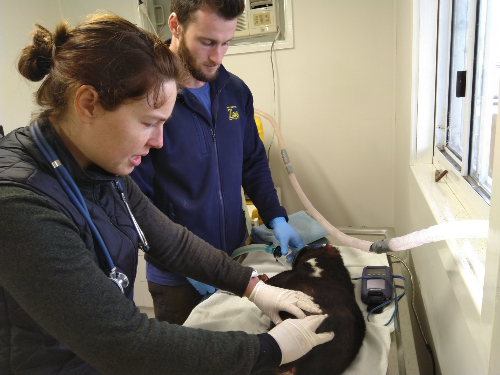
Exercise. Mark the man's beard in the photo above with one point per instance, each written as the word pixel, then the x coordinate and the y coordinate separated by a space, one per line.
pixel 189 63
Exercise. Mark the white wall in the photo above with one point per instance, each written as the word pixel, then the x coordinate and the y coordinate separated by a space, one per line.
pixel 75 11
pixel 336 108
pixel 16 23
pixel 403 114
pixel 17 18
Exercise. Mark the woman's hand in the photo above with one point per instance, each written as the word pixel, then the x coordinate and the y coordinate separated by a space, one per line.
pixel 296 337
pixel 271 300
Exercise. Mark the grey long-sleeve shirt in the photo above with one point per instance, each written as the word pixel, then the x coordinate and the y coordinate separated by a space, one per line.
pixel 46 268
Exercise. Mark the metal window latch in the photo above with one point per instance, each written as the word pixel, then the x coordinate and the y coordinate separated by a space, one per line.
pixel 439 174
pixel 461 83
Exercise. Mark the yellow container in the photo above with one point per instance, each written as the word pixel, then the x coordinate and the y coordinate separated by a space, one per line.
pixel 260 129
pixel 255 215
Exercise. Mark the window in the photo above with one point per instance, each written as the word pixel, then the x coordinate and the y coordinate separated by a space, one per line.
pixel 467 88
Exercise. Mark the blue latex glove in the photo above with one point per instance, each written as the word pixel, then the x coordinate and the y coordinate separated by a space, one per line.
pixel 203 289
pixel 286 235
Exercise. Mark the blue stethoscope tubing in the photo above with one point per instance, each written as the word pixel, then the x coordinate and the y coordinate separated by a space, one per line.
pixel 69 186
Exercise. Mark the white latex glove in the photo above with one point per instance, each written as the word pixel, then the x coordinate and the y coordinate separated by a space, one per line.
pixel 271 300
pixel 296 337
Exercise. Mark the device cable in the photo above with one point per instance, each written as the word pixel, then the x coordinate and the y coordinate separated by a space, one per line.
pixel 395 299
pixel 144 10
pixel 274 91
pixel 427 345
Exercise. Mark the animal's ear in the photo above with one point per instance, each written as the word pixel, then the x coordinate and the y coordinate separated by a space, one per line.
pixel 299 255
pixel 331 250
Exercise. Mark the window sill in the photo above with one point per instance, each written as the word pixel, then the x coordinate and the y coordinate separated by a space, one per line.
pixel 469 198
pixel 463 259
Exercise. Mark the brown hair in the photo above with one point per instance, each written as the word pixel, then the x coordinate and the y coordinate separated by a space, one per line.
pixel 226 9
pixel 121 61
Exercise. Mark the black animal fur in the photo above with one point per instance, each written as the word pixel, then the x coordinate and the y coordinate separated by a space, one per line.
pixel 334 292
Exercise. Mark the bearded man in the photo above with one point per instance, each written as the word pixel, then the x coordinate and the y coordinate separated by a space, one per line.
pixel 211 149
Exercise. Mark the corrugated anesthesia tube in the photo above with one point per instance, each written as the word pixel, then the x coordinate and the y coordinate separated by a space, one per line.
pixel 458 229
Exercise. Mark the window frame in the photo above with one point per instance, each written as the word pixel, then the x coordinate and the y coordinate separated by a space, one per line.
pixel 453 198
pixel 475 204
pixel 442 155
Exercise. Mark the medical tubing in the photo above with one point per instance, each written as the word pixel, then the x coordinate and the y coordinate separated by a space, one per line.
pixel 75 196
pixel 342 237
pixel 54 162
pixel 445 231
pixel 256 247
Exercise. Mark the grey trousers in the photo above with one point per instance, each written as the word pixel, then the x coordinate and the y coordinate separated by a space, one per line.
pixel 173 304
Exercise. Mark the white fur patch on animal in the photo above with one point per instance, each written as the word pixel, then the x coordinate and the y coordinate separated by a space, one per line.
pixel 316 270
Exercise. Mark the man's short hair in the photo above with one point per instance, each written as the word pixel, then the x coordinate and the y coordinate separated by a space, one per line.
pixel 226 9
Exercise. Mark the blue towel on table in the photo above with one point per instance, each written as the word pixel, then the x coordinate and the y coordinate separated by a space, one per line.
pixel 309 229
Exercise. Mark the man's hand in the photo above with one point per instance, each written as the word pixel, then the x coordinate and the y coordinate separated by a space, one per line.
pixel 202 288
pixel 286 235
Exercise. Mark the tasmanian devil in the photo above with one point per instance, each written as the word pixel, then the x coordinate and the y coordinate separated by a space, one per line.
pixel 320 273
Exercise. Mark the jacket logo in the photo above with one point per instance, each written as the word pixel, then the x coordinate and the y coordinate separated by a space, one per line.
pixel 233 113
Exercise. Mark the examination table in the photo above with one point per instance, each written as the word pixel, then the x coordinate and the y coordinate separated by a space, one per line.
pixel 224 311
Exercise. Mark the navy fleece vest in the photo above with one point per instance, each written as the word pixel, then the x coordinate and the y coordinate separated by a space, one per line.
pixel 22 165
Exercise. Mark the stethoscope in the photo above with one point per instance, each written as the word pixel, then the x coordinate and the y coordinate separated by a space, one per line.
pixel 69 186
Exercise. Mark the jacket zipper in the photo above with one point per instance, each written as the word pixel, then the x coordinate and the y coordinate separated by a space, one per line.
pixel 136 248
pixel 219 187
pixel 219 191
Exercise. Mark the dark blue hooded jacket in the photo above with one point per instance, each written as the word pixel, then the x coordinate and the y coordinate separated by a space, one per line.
pixel 196 177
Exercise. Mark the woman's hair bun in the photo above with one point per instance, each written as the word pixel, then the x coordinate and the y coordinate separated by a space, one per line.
pixel 121 61
pixel 37 59
pixel 62 34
